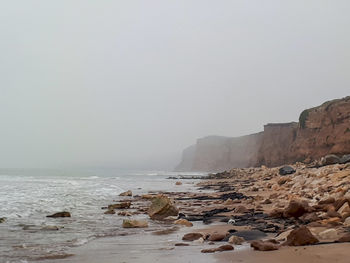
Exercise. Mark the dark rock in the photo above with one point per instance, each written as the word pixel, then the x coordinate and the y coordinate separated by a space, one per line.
pixel 330 159
pixel 250 234
pixel 109 212
pixel 286 170
pixel 181 245
pixel 192 236
pixel 345 159
pixel 2 219
pixel 301 237
pixel 122 205
pixel 60 214
pixel 264 245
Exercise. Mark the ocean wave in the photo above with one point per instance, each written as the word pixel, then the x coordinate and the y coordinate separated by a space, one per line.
pixel 93 177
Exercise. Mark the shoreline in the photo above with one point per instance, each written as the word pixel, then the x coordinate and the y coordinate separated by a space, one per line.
pixel 254 199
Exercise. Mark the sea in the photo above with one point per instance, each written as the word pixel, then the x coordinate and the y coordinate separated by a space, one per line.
pixel 27 196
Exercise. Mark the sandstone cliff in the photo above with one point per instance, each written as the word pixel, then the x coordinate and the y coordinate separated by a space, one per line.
pixel 321 130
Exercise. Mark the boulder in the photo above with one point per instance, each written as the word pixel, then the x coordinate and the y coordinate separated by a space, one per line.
pixel 178 183
pixel 122 205
pixel 218 249
pixel 301 237
pixel 161 208
pixel 286 170
pixel 345 159
pixel 192 236
pixel 127 193
pixel 329 234
pixel 330 159
pixel 182 245
pixel 60 214
pixel 134 223
pixel 216 237
pixel 296 209
pixel 183 222
pixel 263 245
pixel 236 240
pixel 2 219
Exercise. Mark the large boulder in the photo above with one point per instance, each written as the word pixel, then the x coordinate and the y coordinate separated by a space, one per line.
pixel 263 245
pixel 286 170
pixel 60 214
pixel 161 208
pixel 301 237
pixel 122 205
pixel 330 159
pixel 2 219
pixel 296 209
pixel 134 223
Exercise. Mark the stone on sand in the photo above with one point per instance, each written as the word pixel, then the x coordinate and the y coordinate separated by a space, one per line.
pixel 161 208
pixel 192 236
pixel 183 222
pixel 134 223
pixel 218 249
pixel 236 240
pixel 301 237
pixel 263 245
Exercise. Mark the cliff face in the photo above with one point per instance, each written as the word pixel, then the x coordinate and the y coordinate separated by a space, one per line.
pixel 187 159
pixel 321 130
pixel 276 144
pixel 216 153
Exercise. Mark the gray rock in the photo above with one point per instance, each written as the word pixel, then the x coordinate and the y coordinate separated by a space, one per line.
pixel 286 170
pixel 345 159
pixel 330 159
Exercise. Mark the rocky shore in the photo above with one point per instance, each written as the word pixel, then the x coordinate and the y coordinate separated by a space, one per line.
pixel 267 209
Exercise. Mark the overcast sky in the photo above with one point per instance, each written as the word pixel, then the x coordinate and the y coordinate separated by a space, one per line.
pixel 132 83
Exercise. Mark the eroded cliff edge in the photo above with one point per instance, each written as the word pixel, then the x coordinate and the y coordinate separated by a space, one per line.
pixel 320 131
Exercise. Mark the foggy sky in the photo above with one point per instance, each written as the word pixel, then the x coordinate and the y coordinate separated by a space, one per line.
pixel 132 83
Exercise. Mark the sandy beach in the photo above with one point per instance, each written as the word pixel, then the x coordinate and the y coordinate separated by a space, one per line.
pixel 291 219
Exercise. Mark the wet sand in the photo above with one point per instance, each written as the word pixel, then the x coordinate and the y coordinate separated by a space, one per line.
pixel 332 253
